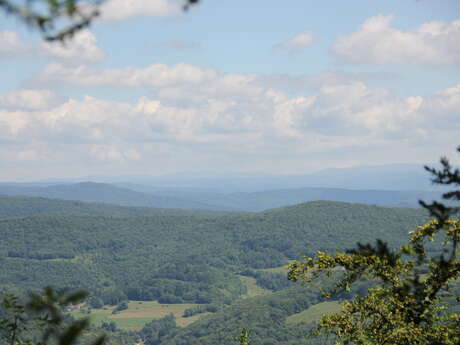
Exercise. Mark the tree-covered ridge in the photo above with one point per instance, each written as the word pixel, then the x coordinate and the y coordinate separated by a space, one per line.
pixel 182 258
pixel 24 206
pixel 415 295
pixel 103 193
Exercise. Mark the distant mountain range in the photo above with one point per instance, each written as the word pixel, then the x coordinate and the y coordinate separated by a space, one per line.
pixel 25 206
pixel 384 177
pixel 103 193
pixel 195 199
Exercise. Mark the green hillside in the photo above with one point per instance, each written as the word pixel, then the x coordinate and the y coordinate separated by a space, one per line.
pixel 182 259
pixel 268 317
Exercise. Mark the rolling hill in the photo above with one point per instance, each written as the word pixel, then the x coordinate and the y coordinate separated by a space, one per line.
pixel 25 206
pixel 182 258
pixel 102 193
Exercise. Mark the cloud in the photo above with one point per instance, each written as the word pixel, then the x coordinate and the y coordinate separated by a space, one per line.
pixel 377 42
pixel 114 10
pixel 29 99
pixel 226 121
pixel 316 80
pixel 195 118
pixel 83 48
pixel 338 104
pixel 151 76
pixel 296 44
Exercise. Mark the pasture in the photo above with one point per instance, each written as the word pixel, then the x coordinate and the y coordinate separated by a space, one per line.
pixel 139 313
pixel 315 312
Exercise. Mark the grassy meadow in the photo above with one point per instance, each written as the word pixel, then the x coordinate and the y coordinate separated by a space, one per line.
pixel 139 313
pixel 315 312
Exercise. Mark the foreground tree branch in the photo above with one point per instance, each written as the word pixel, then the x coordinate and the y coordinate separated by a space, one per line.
pixel 58 20
pixel 408 303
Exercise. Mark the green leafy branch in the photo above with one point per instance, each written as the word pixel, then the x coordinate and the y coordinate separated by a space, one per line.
pixel 40 319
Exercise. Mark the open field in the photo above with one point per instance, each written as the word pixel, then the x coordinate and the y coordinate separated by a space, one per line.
pixel 315 312
pixel 139 313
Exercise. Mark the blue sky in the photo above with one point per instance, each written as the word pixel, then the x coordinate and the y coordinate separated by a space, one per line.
pixel 237 86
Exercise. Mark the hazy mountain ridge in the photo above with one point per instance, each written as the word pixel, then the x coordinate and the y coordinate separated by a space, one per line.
pixel 129 194
pixel 381 177
pixel 102 193
pixel 26 206
pixel 265 200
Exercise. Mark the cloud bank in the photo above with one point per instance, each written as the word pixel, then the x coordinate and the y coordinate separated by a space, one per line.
pixel 196 116
pixel 377 42
pixel 114 10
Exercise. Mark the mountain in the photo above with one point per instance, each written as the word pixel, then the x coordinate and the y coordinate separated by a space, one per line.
pixel 384 177
pixel 129 194
pixel 264 200
pixel 102 193
pixel 23 206
pixel 183 258
pixel 178 257
pixel 379 177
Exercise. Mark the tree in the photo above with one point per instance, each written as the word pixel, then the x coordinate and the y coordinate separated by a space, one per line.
pixel 408 303
pixel 41 319
pixel 58 19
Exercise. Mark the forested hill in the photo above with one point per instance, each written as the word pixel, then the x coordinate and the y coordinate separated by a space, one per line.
pixel 265 317
pixel 23 206
pixel 103 193
pixel 182 258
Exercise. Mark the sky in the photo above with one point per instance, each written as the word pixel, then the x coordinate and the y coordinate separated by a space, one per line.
pixel 232 86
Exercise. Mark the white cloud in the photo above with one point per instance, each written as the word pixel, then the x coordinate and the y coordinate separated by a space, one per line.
pixel 444 108
pixel 113 10
pixel 150 76
pixel 316 80
pixel 296 44
pixel 13 123
pixel 194 116
pixel 236 120
pixel 28 99
pixel 237 103
pixel 377 42
pixel 83 47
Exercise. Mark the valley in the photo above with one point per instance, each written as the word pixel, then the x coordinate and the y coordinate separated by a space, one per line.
pixel 186 270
